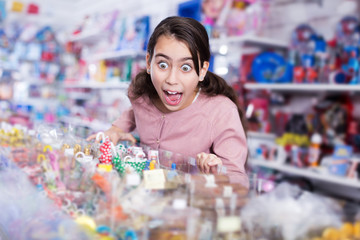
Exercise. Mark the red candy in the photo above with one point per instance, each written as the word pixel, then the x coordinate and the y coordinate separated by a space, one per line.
pixel 106 156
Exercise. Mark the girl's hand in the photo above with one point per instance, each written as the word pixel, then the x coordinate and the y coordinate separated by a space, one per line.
pixel 115 134
pixel 208 163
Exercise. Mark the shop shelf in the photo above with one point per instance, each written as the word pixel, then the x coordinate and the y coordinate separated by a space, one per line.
pixel 95 125
pixel 252 134
pixel 40 82
pixel 250 41
pixel 307 173
pixel 87 36
pixel 78 96
pixel 303 87
pixel 123 54
pixel 98 85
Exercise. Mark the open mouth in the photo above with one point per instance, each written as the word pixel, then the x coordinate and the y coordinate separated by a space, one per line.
pixel 172 98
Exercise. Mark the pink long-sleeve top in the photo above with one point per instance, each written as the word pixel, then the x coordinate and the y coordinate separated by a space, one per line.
pixel 210 125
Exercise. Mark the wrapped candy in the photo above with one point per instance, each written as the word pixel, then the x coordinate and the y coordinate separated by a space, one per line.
pixel 106 156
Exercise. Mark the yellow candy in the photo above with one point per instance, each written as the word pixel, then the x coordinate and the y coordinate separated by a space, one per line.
pixel 177 237
pixel 41 158
pixel 47 147
pixel 87 151
pixel 347 230
pixel 356 230
pixel 105 167
pixel 77 148
pixel 331 234
pixel 65 146
pixel 106 238
pixel 86 222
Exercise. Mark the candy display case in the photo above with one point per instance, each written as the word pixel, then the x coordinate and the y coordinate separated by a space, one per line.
pixel 75 185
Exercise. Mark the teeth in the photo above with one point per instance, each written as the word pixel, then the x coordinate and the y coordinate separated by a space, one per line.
pixel 171 92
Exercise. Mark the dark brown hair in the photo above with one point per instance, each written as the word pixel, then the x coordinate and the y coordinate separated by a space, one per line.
pixel 194 35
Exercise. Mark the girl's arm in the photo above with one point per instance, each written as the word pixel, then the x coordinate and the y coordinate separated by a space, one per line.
pixel 230 145
pixel 121 128
pixel 126 121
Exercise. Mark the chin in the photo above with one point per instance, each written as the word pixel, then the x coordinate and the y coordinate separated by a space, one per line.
pixel 173 108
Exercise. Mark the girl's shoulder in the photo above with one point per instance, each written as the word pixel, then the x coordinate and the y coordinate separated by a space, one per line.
pixel 219 108
pixel 143 104
pixel 140 100
pixel 216 107
pixel 218 102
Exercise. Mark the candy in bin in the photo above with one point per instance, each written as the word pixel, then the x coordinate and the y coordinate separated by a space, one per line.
pixel 122 167
pixel 134 150
pixel 106 156
pixel 119 166
pixel 136 164
pixel 20 156
pixel 86 161
pixel 153 155
pixel 54 159
pixel 135 161
pixel 48 174
pixel 121 150
pixel 116 160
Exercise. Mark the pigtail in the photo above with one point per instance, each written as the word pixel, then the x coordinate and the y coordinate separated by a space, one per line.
pixel 215 85
pixel 141 85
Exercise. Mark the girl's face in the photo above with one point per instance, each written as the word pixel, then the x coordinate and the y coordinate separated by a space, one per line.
pixel 173 74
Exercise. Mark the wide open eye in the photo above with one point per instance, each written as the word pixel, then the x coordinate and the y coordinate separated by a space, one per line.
pixel 186 67
pixel 163 65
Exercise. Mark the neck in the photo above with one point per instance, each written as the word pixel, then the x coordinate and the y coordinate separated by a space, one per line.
pixel 197 95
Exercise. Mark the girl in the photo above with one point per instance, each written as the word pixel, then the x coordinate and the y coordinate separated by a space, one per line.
pixel 180 106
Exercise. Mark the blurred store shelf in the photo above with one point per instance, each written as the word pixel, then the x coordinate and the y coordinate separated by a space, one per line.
pixel 79 96
pixel 98 85
pixel 311 173
pixel 252 134
pixel 123 54
pixel 88 36
pixel 95 124
pixel 316 87
pixel 36 101
pixel 251 42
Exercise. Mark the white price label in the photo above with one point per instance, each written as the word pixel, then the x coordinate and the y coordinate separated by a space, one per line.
pixel 228 224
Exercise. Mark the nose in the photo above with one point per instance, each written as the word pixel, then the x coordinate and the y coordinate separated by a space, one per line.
pixel 172 77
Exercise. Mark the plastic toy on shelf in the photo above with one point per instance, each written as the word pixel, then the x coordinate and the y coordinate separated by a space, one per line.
pixel 270 67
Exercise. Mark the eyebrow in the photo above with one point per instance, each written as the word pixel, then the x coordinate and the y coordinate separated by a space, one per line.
pixel 168 58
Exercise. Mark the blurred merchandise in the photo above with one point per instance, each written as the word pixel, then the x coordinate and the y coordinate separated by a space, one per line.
pixel 97 190
pixel 233 17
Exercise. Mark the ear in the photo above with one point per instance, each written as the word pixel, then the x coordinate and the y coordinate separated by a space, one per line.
pixel 148 61
pixel 203 71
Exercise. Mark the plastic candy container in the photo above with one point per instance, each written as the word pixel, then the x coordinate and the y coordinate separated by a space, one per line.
pixel 270 67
